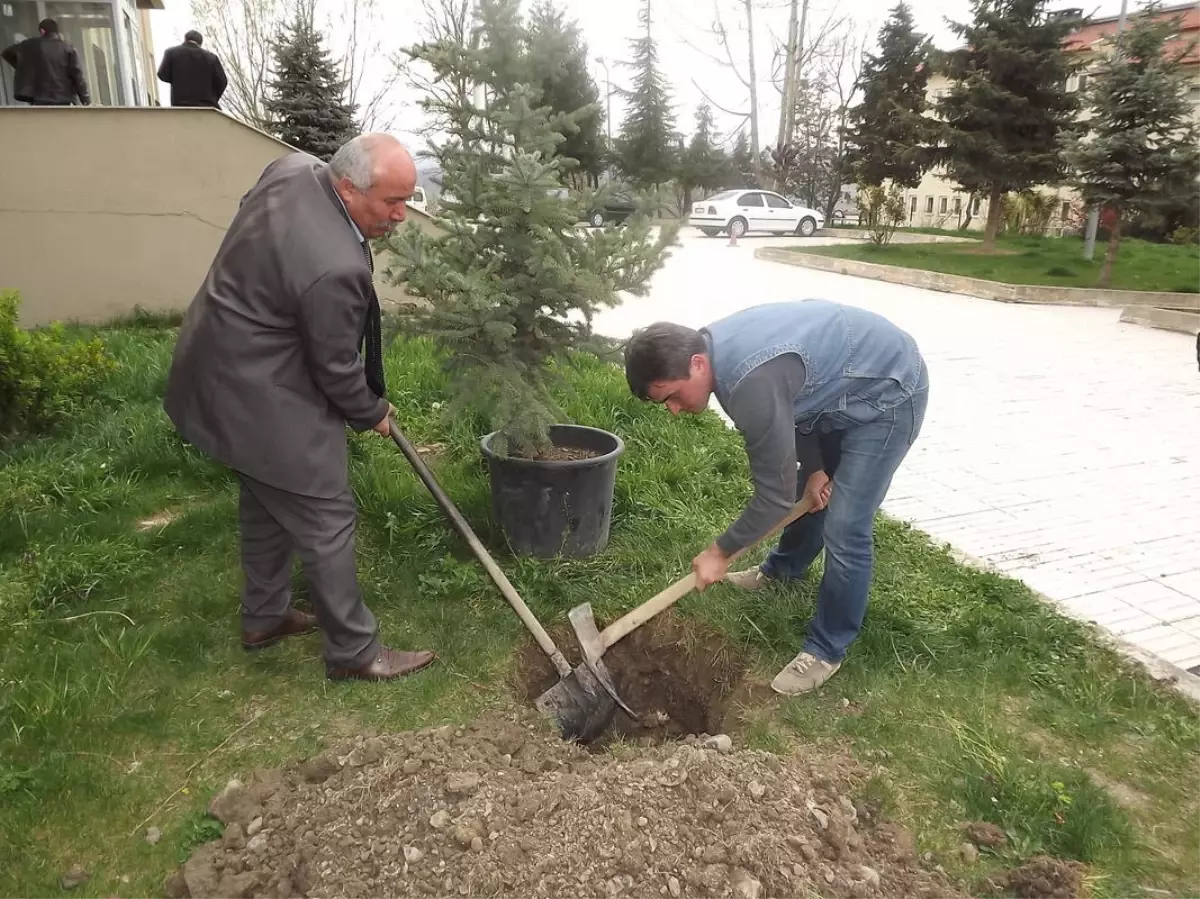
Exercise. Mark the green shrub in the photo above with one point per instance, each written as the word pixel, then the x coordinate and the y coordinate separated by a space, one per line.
pixel 1185 236
pixel 44 376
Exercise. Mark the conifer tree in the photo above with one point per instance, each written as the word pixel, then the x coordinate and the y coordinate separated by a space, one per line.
pixel 742 163
pixel 1140 151
pixel 704 167
pixel 513 286
pixel 306 101
pixel 1008 104
pixel 644 150
pixel 890 136
pixel 558 58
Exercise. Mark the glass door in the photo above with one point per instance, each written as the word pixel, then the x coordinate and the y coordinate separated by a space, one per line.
pixel 18 20
pixel 89 27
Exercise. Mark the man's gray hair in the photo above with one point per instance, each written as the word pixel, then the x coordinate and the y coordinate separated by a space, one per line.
pixel 354 160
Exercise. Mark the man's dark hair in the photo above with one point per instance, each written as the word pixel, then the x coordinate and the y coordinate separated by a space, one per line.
pixel 660 352
pixel 48 26
pixel 195 37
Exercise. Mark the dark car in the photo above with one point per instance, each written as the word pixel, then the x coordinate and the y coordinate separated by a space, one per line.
pixel 617 208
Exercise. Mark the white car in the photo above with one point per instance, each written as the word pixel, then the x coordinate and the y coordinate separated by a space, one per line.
pixel 418 201
pixel 740 211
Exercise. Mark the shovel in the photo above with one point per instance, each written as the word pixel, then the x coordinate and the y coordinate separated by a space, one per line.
pixel 582 702
pixel 595 642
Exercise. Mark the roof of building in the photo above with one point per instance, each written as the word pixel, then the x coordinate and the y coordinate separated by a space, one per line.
pixel 1098 32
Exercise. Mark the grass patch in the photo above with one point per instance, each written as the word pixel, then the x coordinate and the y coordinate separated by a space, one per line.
pixel 1046 261
pixel 126 699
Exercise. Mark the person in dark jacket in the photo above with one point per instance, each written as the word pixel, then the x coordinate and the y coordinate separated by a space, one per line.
pixel 196 75
pixel 48 70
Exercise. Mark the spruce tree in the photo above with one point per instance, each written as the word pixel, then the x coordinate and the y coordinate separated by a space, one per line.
pixel 742 163
pixel 306 101
pixel 1008 103
pixel 704 167
pixel 1140 152
pixel 513 286
pixel 558 57
pixel 644 150
pixel 890 136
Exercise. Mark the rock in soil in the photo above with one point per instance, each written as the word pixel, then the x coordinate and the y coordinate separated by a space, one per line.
pixel 74 876
pixel 670 820
pixel 1044 877
pixel 234 804
pixel 985 835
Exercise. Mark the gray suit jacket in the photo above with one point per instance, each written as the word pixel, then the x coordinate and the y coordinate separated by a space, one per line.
pixel 267 371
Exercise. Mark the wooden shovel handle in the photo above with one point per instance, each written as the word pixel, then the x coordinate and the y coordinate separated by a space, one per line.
pixel 494 571
pixel 631 621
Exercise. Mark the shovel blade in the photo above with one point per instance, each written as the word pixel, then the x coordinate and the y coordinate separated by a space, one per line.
pixel 580 705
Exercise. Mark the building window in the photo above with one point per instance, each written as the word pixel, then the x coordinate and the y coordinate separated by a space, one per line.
pixel 975 211
pixel 1083 82
pixel 913 210
pixel 958 205
pixel 89 27
pixel 928 205
pixel 1066 210
pixel 943 205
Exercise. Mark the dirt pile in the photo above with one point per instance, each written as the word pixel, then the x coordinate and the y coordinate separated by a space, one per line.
pixel 505 808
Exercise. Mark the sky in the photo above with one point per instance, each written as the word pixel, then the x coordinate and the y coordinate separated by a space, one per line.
pixel 686 46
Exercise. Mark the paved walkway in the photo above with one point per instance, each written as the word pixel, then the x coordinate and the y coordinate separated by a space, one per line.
pixel 1060 445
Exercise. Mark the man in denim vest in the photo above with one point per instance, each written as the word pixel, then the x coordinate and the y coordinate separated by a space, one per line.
pixel 828 399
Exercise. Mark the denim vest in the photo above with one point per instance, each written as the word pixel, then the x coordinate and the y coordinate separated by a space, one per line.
pixel 857 364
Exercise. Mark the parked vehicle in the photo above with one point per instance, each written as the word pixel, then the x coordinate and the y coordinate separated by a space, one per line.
pixel 615 210
pixel 741 211
pixel 419 201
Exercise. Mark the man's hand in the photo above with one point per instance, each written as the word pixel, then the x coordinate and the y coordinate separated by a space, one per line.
pixel 384 428
pixel 710 566
pixel 817 490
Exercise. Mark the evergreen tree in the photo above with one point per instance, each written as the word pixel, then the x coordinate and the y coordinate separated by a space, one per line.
pixel 704 167
pixel 558 58
pixel 1141 149
pixel 1008 104
pixel 645 151
pixel 742 164
pixel 514 284
pixel 306 101
pixel 890 137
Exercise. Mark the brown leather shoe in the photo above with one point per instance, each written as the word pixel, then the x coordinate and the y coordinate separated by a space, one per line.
pixel 294 622
pixel 388 664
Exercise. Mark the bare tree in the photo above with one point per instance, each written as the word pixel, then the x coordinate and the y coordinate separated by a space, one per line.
pixel 242 33
pixel 811 165
pixel 366 62
pixel 726 57
pixel 793 61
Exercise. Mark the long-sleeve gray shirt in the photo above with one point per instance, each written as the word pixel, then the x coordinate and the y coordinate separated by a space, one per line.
pixel 762 408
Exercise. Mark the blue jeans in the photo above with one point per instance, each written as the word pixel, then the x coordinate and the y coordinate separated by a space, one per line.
pixel 861 461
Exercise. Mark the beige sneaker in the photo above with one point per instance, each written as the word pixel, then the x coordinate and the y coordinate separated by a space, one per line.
pixel 750 579
pixel 803 674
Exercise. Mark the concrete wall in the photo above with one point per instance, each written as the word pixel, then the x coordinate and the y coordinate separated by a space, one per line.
pixel 104 209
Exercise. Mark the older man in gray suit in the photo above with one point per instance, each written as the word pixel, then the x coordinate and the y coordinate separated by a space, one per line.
pixel 267 374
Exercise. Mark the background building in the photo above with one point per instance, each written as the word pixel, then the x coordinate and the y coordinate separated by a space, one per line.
pixel 113 39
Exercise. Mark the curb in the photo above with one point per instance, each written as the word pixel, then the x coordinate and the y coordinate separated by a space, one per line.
pixel 1160 670
pixel 1165 319
pixel 1029 294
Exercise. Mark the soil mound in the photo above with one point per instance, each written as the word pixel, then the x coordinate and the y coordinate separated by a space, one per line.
pixel 506 808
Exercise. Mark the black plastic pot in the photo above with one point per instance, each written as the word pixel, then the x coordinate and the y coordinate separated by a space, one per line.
pixel 556 508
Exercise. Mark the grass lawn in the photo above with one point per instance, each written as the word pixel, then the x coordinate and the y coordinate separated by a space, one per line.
pixel 1049 261
pixel 126 700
